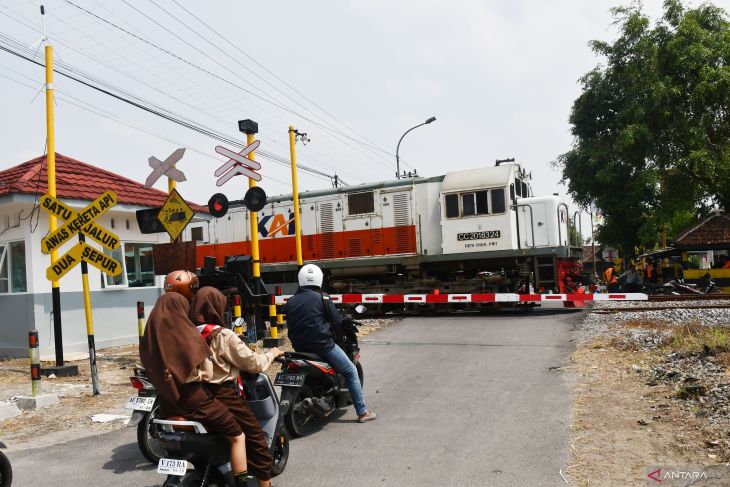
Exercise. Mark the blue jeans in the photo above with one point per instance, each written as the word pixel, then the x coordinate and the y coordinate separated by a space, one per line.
pixel 344 366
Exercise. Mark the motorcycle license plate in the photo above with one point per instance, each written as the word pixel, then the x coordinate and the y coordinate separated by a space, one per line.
pixel 170 466
pixel 140 403
pixel 293 380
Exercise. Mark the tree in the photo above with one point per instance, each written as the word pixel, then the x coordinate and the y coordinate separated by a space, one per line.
pixel 651 127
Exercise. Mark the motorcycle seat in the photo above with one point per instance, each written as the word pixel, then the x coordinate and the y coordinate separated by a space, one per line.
pixel 306 355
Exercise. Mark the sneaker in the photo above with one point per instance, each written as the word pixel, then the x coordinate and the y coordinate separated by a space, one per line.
pixel 368 416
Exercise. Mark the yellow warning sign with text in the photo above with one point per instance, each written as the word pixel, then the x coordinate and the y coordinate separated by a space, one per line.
pixel 175 214
pixel 83 252
pixel 82 221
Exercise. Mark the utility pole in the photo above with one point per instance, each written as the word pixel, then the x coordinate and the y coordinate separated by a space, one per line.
pixel 295 194
pixel 60 369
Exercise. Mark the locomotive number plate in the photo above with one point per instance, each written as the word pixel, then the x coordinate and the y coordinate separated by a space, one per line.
pixel 478 235
pixel 293 380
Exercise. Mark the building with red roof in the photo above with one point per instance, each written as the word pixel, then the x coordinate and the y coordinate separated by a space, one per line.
pixel 25 291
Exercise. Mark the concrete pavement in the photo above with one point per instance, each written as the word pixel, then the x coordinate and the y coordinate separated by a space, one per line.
pixel 462 400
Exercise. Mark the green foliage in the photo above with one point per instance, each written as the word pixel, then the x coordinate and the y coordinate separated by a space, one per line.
pixel 652 125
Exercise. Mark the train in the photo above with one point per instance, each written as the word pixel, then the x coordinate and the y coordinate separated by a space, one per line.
pixel 470 231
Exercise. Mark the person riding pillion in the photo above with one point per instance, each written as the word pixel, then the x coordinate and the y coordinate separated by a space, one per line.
pixel 220 374
pixel 311 320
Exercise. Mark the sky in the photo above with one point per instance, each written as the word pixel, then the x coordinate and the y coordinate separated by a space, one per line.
pixel 499 76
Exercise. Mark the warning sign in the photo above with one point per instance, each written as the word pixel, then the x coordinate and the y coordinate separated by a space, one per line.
pixel 82 252
pixel 175 214
pixel 82 221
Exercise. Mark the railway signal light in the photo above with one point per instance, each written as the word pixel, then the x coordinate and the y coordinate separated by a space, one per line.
pixel 218 205
pixel 255 199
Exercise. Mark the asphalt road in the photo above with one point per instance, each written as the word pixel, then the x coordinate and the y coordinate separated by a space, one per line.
pixel 462 401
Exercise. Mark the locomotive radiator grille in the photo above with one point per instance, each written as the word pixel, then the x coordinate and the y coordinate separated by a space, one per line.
pixel 402 218
pixel 327 228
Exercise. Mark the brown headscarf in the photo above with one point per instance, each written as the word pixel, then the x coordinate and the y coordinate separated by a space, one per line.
pixel 171 347
pixel 208 307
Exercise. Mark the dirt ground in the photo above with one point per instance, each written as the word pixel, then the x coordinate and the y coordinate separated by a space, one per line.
pixel 625 426
pixel 72 417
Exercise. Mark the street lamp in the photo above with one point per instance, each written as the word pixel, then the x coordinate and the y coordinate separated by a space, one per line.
pixel 397 158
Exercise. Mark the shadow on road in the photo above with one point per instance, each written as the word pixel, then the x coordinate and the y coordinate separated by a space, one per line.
pixel 128 458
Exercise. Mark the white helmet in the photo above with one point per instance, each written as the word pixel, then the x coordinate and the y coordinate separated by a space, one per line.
pixel 310 275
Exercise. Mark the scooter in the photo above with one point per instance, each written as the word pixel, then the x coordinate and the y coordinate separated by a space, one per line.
pixel 313 387
pixel 6 472
pixel 146 406
pixel 188 441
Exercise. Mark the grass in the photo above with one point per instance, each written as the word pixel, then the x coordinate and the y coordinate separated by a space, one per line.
pixel 694 337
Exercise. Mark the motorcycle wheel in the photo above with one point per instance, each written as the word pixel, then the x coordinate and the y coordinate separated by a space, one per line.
pixel 147 440
pixel 298 423
pixel 6 473
pixel 360 374
pixel 280 452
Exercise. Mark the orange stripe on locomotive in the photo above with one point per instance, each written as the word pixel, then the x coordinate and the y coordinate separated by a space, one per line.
pixel 338 245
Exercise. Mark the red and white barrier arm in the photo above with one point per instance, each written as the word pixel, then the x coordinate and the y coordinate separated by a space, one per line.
pixel 474 298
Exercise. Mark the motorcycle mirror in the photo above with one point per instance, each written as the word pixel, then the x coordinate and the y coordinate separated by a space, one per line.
pixel 360 309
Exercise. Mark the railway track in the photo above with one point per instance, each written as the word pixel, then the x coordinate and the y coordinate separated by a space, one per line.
pixel 689 297
pixel 656 308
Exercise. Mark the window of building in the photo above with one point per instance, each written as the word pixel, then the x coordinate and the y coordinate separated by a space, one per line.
pixel 196 234
pixel 138 264
pixel 452 205
pixel 497 201
pixel 360 203
pixel 108 280
pixel 139 270
pixel 475 203
pixel 13 278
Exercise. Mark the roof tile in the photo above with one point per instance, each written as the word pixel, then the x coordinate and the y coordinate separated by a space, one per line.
pixel 79 180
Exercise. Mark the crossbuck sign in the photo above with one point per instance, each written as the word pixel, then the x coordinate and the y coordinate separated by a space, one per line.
pixel 80 222
pixel 237 164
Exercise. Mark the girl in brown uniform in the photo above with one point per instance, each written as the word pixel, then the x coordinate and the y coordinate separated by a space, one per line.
pixel 229 356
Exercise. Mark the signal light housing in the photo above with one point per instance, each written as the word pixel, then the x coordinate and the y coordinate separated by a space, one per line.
pixel 218 205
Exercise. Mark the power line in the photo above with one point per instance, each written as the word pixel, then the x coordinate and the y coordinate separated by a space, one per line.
pixel 171 118
pixel 241 51
pixel 333 131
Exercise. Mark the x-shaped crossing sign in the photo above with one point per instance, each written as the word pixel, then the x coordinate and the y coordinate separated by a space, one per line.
pixel 237 164
pixel 82 221
pixel 165 168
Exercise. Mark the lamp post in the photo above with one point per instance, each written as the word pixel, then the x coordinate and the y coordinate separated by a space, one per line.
pixel 397 158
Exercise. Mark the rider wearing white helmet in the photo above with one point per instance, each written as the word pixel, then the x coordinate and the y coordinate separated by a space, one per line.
pixel 310 314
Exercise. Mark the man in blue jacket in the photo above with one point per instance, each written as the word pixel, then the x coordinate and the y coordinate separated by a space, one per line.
pixel 310 317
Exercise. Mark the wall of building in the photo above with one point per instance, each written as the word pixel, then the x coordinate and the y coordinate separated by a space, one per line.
pixel 114 307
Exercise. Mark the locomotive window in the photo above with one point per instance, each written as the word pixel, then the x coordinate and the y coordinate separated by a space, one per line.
pixel 524 190
pixel 482 202
pixel 518 186
pixel 467 204
pixel 497 201
pixel 452 205
pixel 360 203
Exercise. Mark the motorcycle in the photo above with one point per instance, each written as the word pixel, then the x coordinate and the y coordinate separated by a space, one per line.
pixel 707 285
pixel 146 406
pixel 188 441
pixel 6 472
pixel 313 387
